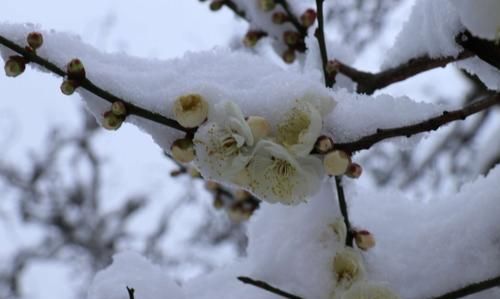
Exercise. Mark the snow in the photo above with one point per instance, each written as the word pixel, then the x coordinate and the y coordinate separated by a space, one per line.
pixel 420 246
pixel 255 84
pixel 431 30
pixel 480 17
pixel 428 248
pixel 131 270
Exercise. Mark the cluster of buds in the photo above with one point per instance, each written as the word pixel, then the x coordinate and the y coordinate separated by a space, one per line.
pixel 16 64
pixel 336 162
pixel 243 206
pixel 113 119
pixel 75 74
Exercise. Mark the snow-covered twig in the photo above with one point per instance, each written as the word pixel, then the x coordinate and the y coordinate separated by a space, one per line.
pixel 425 126
pixel 472 289
pixel 91 87
pixel 131 292
pixel 487 50
pixel 370 82
pixel 265 286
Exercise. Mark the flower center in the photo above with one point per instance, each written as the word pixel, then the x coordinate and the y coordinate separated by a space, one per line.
pixel 290 131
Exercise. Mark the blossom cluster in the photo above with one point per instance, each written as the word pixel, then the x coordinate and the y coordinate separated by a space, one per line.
pixel 283 162
pixel 275 164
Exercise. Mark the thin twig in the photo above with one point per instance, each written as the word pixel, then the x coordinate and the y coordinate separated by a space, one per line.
pixel 424 126
pixel 237 11
pixel 292 18
pixel 471 289
pixel 320 36
pixel 265 286
pixel 487 50
pixel 370 82
pixel 91 87
pixel 343 210
pixel 131 292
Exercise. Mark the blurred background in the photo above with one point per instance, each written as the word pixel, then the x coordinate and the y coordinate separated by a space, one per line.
pixel 72 194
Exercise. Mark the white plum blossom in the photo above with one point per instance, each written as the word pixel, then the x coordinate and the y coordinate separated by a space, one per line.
pixel 300 129
pixel 348 267
pixel 275 175
pixel 223 145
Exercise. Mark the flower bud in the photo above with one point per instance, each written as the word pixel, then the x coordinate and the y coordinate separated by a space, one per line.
pixel 75 69
pixel 241 195
pixel 118 108
pixel 190 110
pixel 15 66
pixel 194 173
pixel 211 185
pixel 218 203
pixel 111 121
pixel 68 87
pixel 35 40
pixel 183 150
pixel 260 127
pixel 288 56
pixel 308 17
pixel 267 5
pixel 332 67
pixel 336 162
pixel 252 37
pixel 323 144
pixel 279 18
pixel 354 171
pixel 364 239
pixel 215 5
pixel 291 38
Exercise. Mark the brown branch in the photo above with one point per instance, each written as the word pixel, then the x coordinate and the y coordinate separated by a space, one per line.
pixel 237 11
pixel 370 82
pixel 471 289
pixel 343 209
pixel 320 36
pixel 424 126
pixel 92 88
pixel 131 292
pixel 487 50
pixel 265 286
pixel 292 18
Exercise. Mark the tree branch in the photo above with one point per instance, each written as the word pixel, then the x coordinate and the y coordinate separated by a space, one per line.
pixel 424 126
pixel 344 211
pixel 471 289
pixel 265 286
pixel 131 292
pixel 369 82
pixel 92 88
pixel 320 36
pixel 292 18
